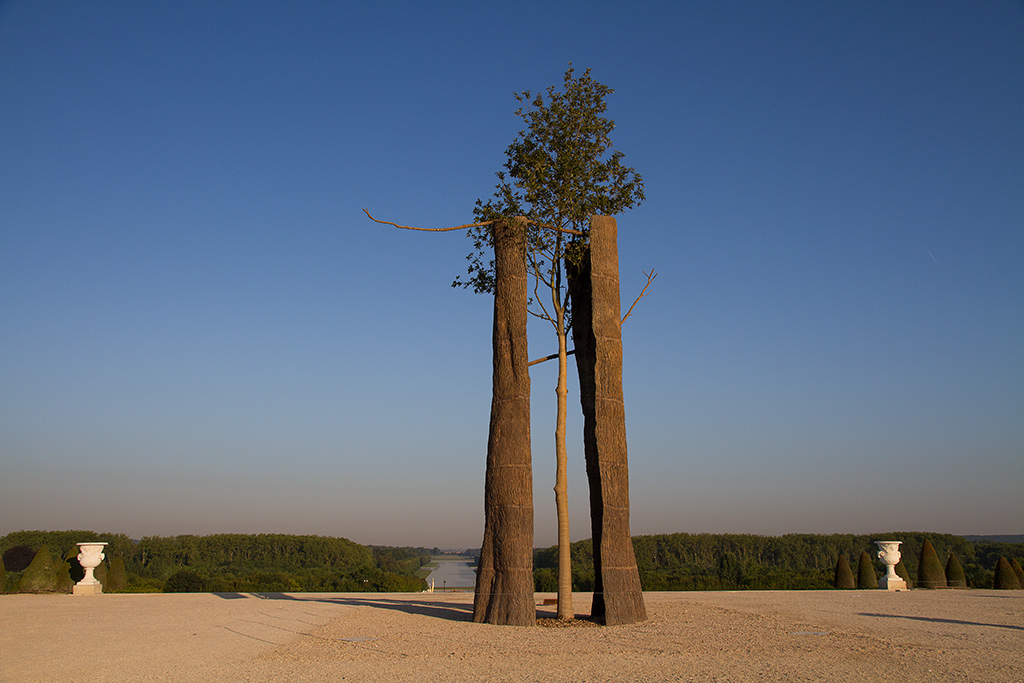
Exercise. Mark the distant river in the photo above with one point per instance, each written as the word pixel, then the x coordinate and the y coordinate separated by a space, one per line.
pixel 452 574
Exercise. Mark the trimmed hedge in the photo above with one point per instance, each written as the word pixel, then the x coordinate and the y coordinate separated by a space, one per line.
pixel 867 579
pixel 41 575
pixel 929 570
pixel 901 571
pixel 1005 578
pixel 955 573
pixel 1015 566
pixel 117 578
pixel 843 576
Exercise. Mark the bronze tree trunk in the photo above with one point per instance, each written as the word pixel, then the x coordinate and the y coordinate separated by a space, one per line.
pixel 596 328
pixel 504 585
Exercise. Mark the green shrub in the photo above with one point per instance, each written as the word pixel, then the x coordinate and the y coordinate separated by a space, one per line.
pixel 867 579
pixel 117 579
pixel 1005 578
pixel 843 577
pixel 185 581
pixel 3 576
pixel 901 571
pixel 955 573
pixel 65 584
pixel 100 573
pixel 929 570
pixel 1015 566
pixel 75 569
pixel 41 575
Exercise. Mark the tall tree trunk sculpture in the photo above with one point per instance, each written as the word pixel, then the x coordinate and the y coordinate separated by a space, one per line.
pixel 504 585
pixel 596 328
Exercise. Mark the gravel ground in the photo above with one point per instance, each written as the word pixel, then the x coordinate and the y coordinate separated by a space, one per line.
pixel 974 635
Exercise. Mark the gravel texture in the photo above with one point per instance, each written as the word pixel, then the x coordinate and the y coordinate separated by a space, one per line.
pixel 946 635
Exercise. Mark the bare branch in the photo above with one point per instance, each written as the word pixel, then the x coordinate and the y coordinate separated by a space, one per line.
pixel 468 225
pixel 409 227
pixel 551 357
pixel 650 278
pixel 568 231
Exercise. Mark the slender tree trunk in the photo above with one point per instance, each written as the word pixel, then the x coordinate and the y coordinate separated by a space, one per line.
pixel 565 609
pixel 596 324
pixel 504 585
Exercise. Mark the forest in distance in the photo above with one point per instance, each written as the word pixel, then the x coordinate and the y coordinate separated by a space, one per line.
pixel 251 563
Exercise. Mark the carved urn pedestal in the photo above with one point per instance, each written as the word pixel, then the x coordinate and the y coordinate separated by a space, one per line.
pixel 90 555
pixel 889 554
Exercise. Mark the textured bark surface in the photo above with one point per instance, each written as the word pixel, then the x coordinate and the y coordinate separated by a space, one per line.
pixel 596 327
pixel 504 585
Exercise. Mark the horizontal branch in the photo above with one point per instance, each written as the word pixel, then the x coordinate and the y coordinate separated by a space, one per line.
pixel 469 225
pixel 410 227
pixel 551 357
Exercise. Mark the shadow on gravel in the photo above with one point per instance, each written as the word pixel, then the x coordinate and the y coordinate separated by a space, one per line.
pixel 942 621
pixel 439 610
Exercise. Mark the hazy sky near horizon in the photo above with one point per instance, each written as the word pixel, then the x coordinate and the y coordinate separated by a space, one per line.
pixel 201 332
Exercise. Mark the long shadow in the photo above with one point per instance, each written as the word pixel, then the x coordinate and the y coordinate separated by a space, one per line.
pixel 942 621
pixel 439 610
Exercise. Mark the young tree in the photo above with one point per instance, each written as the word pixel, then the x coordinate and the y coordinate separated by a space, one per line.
pixel 559 171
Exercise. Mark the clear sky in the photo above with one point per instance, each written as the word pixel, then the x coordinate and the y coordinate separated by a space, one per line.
pixel 201 332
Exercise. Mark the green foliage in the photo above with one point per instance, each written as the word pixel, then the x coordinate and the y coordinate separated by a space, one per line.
pixel 844 575
pixel 955 573
pixel 64 581
pixel 867 579
pixel 75 569
pixel 238 562
pixel 901 571
pixel 1015 566
pixel 3 576
pixel 545 580
pixel 559 171
pixel 1005 578
pixel 101 573
pixel 41 574
pixel 930 573
pixel 63 543
pixel 185 581
pixel 790 562
pixel 117 578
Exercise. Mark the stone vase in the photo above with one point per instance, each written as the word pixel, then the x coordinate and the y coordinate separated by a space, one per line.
pixel 889 554
pixel 89 556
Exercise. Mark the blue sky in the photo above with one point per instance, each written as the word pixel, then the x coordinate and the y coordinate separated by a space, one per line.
pixel 201 332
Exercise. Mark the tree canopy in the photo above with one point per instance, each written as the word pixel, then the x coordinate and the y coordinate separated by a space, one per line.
pixel 558 172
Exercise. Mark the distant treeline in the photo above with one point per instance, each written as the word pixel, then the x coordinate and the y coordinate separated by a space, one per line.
pixel 288 563
pixel 670 562
pixel 230 562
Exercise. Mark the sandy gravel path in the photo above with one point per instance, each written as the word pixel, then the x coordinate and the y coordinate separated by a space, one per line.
pixel 745 636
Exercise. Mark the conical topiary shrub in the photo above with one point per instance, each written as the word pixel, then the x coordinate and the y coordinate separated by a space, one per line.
pixel 929 570
pixel 955 573
pixel 901 571
pixel 100 573
pixel 867 579
pixel 1015 566
pixel 1005 578
pixel 117 579
pixel 64 581
pixel 844 577
pixel 41 575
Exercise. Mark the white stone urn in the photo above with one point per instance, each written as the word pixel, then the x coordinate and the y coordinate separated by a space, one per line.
pixel 889 554
pixel 90 555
